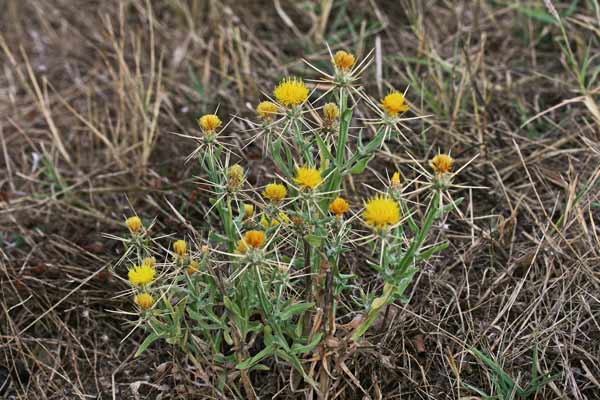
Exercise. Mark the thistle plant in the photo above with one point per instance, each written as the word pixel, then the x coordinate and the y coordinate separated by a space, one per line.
pixel 270 280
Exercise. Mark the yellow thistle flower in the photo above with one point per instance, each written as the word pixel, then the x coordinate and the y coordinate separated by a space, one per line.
pixel 143 300
pixel 248 211
pixel 394 104
pixel 266 110
pixel 134 224
pixel 194 266
pixel 209 122
pixel 381 211
pixel 141 275
pixel 339 207
pixel 251 239
pixel 291 92
pixel 307 177
pixel 330 112
pixel 395 181
pixel 180 248
pixel 343 60
pixel 441 163
pixel 254 238
pixel 236 177
pixel 275 192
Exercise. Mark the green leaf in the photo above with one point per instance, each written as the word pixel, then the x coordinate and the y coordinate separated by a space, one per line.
pixel 343 135
pixel 313 240
pixel 276 154
pixel 324 149
pixel 295 309
pixel 431 251
pixel 147 342
pixel 292 359
pixel 539 15
pixel 375 143
pixel 231 306
pixel 360 165
pixel 248 363
pixel 494 366
pixel 298 348
pixel 227 336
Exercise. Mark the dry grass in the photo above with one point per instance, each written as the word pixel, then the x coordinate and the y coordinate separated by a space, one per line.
pixel 89 97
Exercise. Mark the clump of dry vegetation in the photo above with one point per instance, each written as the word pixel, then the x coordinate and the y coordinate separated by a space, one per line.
pixel 96 102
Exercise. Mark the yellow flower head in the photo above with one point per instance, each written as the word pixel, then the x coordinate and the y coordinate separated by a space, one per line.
pixel 194 266
pixel 251 239
pixel 254 238
pixel 394 104
pixel 235 177
pixel 266 110
pixel 149 261
pixel 441 163
pixel 275 192
pixel 339 207
pixel 381 211
pixel 134 224
pixel 307 177
pixel 143 300
pixel 180 248
pixel 141 275
pixel 248 211
pixel 330 112
pixel 291 92
pixel 343 60
pixel 395 181
pixel 209 122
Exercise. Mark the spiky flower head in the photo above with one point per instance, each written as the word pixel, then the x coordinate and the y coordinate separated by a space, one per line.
pixel 251 239
pixel 291 92
pixel 266 110
pixel 141 275
pixel 395 180
pixel 275 192
pixel 235 177
pixel 381 211
pixel 330 113
pixel 134 224
pixel 343 60
pixel 248 211
pixel 193 267
pixel 394 104
pixel 143 300
pixel 209 123
pixel 339 207
pixel 307 177
pixel 180 248
pixel 441 163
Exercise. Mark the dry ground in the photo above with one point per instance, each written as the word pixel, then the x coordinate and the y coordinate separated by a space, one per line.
pixel 90 92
